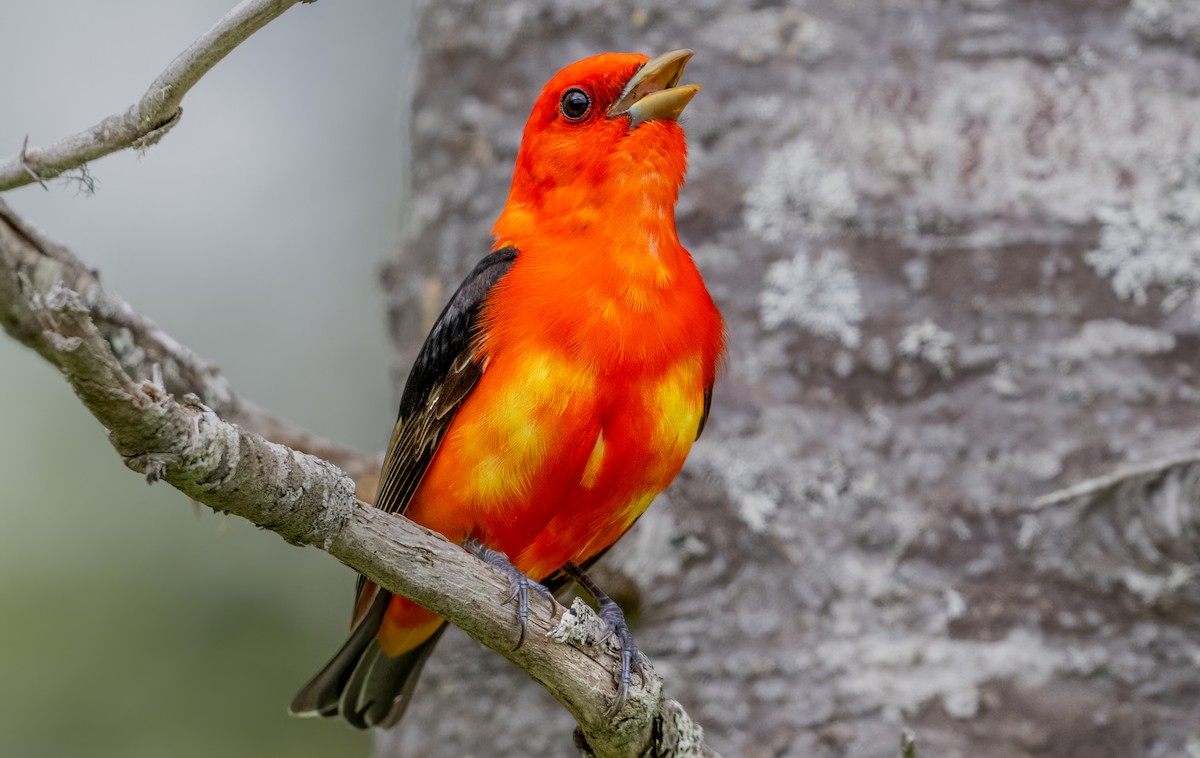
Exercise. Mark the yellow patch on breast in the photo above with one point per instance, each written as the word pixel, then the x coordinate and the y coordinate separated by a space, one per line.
pixel 493 477
pixel 637 507
pixel 505 443
pixel 678 398
pixel 594 461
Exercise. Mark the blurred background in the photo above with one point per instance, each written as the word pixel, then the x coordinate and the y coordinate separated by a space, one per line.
pixel 130 624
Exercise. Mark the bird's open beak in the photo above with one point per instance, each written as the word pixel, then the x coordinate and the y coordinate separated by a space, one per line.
pixel 653 93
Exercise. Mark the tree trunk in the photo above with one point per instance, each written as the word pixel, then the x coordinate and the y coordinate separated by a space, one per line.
pixel 958 248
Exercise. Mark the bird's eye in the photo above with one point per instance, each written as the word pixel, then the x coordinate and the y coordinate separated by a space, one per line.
pixel 575 104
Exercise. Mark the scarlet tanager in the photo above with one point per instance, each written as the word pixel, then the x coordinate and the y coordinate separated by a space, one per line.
pixel 565 381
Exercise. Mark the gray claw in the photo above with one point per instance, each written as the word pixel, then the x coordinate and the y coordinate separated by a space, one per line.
pixel 520 583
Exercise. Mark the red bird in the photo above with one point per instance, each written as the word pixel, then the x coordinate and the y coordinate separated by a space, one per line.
pixel 564 383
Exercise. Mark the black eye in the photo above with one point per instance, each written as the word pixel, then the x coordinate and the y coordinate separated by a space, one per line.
pixel 575 104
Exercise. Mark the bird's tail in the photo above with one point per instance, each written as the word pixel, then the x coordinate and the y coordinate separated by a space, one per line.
pixel 370 681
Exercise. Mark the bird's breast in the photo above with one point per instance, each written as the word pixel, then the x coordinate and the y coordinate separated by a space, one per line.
pixel 555 458
pixel 590 401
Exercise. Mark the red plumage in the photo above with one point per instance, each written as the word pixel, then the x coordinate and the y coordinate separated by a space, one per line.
pixel 566 381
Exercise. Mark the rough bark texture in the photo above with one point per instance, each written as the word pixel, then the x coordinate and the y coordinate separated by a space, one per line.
pixel 958 246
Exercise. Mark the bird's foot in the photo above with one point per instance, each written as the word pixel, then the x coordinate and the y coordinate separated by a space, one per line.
pixel 614 618
pixel 518 581
pixel 631 657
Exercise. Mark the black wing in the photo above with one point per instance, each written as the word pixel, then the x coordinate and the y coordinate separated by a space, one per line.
pixel 707 407
pixel 442 377
pixel 444 373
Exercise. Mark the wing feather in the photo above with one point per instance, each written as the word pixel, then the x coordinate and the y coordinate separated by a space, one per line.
pixel 447 368
pixel 707 407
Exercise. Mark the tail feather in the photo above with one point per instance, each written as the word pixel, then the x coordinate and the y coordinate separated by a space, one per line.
pixel 381 686
pixel 366 686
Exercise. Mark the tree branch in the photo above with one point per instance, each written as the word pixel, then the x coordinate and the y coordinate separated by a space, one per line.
pixel 146 352
pixel 147 121
pixel 108 353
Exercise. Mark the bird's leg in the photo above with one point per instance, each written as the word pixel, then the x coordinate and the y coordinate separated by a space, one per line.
pixel 519 583
pixel 614 617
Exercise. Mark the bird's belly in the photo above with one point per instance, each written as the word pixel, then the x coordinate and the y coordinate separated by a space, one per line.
pixel 551 461
pixel 642 446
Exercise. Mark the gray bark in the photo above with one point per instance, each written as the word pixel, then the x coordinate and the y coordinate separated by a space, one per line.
pixel 958 247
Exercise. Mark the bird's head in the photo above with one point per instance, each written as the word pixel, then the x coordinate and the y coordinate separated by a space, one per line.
pixel 603 140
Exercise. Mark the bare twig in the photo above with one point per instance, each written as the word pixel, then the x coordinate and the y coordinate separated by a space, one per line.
pixel 147 121
pixel 22 157
pixel 50 302
pixel 1100 484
